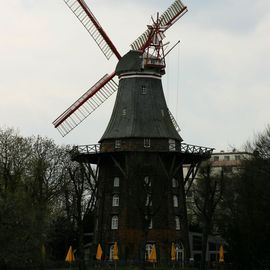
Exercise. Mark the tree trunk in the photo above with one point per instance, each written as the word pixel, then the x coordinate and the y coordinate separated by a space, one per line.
pixel 81 247
pixel 204 261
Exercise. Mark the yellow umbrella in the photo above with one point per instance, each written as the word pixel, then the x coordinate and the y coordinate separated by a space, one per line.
pixel 221 254
pixel 173 252
pixel 99 253
pixel 70 255
pixel 153 255
pixel 115 252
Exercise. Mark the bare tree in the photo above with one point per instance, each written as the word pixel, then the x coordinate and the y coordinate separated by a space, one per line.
pixel 208 192
pixel 82 195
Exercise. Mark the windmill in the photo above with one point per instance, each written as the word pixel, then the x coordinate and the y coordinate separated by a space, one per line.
pixel 139 159
pixel 149 43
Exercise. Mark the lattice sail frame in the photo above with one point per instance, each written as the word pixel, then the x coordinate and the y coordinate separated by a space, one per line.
pixel 86 104
pixel 91 24
pixel 167 19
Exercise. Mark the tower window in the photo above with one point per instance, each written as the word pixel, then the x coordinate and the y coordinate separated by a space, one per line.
pixel 117 144
pixel 114 224
pixel 147 143
pixel 147 181
pixel 177 223
pixel 111 252
pixel 150 225
pixel 174 183
pixel 116 182
pixel 175 201
pixel 115 200
pixel 124 112
pixel 148 249
pixel 172 145
pixel 149 221
pixel 144 90
pixel 179 252
pixel 162 112
pixel 148 201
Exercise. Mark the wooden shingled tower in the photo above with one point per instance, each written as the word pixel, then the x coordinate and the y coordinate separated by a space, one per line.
pixel 139 159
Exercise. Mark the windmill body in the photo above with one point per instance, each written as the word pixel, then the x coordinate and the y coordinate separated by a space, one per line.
pixel 140 157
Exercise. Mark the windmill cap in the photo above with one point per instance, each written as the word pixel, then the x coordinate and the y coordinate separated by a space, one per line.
pixel 132 61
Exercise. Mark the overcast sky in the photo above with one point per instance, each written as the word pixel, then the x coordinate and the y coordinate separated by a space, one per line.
pixel 217 81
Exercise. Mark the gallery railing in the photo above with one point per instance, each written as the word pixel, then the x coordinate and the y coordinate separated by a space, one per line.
pixel 182 148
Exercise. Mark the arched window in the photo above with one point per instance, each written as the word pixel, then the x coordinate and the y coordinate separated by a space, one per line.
pixel 177 223
pixel 148 249
pixel 115 200
pixel 174 183
pixel 114 224
pixel 179 253
pixel 175 201
pixel 116 182
pixel 111 252
pixel 147 181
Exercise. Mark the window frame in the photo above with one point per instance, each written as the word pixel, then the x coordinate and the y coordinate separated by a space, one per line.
pixel 175 201
pixel 117 144
pixel 147 181
pixel 174 182
pixel 172 145
pixel 146 142
pixel 177 223
pixel 148 250
pixel 115 200
pixel 115 222
pixel 143 90
pixel 148 201
pixel 116 181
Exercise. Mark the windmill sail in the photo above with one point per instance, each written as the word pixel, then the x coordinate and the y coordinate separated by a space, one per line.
pixel 174 121
pixel 173 13
pixel 167 19
pixel 86 104
pixel 91 24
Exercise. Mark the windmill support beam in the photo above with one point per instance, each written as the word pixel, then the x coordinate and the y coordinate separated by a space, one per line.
pixel 190 176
